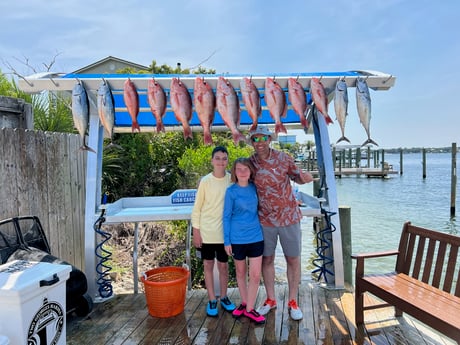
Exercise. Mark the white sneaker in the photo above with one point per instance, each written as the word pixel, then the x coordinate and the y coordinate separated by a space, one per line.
pixel 294 310
pixel 268 305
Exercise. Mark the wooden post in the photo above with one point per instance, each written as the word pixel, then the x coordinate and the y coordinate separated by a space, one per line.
pixel 400 161
pixel 350 158
pixel 453 185
pixel 345 226
pixel 424 163
pixel 358 157
pixel 334 157
pixel 368 157
pixel 341 161
pixel 383 162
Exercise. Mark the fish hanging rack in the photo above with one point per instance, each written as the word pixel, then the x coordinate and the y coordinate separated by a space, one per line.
pixel 58 82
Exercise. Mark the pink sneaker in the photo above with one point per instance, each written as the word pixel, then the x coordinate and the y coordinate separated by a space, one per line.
pixel 254 316
pixel 239 311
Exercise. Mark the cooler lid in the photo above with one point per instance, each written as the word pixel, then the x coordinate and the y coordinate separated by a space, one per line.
pixel 21 276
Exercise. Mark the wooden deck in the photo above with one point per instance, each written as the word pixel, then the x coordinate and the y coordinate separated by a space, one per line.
pixel 328 319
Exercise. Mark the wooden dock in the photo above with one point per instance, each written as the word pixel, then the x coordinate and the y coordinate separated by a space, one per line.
pixel 368 172
pixel 328 319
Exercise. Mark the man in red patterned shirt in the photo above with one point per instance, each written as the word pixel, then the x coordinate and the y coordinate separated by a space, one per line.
pixel 279 215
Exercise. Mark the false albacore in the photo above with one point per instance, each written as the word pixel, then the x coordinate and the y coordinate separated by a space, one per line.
pixel 341 106
pixel 80 112
pixel 363 103
pixel 106 108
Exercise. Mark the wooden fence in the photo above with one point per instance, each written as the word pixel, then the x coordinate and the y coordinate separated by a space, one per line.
pixel 43 174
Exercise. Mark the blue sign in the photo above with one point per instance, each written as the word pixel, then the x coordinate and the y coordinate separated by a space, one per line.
pixel 185 196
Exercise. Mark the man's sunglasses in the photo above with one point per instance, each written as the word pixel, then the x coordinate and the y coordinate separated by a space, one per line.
pixel 259 139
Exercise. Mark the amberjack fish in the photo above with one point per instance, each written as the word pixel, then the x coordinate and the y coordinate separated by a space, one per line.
pixel 181 104
pixel 228 107
pixel 205 106
pixel 298 99
pixel 156 97
pixel 363 103
pixel 106 108
pixel 251 100
pixel 131 99
pixel 276 103
pixel 80 112
pixel 341 106
pixel 319 97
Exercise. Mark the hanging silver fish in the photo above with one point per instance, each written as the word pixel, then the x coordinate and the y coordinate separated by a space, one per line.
pixel 341 106
pixel 106 108
pixel 80 112
pixel 363 103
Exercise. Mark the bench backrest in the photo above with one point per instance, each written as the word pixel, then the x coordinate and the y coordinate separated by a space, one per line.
pixel 431 257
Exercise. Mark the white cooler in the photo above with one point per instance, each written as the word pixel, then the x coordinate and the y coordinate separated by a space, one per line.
pixel 32 300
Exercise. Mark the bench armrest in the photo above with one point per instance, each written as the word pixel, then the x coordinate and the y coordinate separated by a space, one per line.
pixel 360 260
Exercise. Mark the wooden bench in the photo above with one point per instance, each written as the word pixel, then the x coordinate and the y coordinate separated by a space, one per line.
pixel 425 284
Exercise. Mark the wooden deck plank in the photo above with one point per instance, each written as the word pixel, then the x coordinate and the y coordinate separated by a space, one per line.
pixel 306 325
pixel 358 334
pixel 328 316
pixel 321 316
pixel 339 325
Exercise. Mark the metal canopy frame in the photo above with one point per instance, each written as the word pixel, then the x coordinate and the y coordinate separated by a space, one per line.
pixel 65 82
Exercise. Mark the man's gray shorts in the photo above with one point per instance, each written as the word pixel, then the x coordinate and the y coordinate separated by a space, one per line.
pixel 290 238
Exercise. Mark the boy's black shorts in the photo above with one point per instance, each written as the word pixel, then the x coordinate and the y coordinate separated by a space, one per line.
pixel 210 251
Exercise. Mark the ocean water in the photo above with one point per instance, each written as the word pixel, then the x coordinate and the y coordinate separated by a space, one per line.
pixel 379 207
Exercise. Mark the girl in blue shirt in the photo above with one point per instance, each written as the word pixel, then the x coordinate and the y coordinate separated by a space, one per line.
pixel 243 236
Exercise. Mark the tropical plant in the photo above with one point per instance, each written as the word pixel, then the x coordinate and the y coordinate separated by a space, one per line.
pixel 52 113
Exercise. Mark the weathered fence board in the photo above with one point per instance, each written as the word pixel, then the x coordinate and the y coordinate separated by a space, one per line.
pixel 43 174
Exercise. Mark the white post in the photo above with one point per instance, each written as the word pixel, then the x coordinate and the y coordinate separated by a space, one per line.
pixel 93 198
pixel 332 201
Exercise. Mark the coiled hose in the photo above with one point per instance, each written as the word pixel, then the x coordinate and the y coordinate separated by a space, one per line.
pixel 324 247
pixel 102 268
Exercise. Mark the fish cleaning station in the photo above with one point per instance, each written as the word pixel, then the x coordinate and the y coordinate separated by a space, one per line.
pixel 178 205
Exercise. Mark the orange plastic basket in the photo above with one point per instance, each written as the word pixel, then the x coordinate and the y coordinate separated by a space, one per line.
pixel 165 290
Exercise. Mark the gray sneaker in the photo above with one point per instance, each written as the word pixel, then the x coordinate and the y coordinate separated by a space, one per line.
pixel 268 305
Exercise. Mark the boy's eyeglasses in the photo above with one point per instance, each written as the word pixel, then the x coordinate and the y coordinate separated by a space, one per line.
pixel 259 139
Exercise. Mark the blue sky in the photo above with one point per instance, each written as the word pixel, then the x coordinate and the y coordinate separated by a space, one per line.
pixel 416 41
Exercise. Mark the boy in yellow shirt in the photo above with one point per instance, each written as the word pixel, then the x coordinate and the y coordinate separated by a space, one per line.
pixel 208 233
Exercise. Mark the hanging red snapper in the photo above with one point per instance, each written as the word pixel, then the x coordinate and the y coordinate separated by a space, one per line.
pixel 251 100
pixel 80 113
pixel 156 97
pixel 228 107
pixel 319 97
pixel 276 103
pixel 341 106
pixel 106 108
pixel 181 104
pixel 298 99
pixel 363 103
pixel 131 99
pixel 205 105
